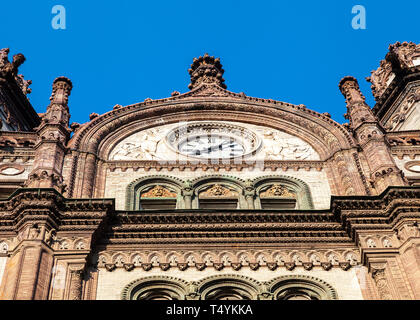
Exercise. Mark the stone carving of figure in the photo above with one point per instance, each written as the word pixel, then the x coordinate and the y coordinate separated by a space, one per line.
pixel 278 147
pixel 145 149
pixel 34 232
pixel 50 237
pixel 272 147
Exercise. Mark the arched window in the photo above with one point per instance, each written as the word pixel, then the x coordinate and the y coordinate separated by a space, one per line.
pixel 155 288
pixel 218 193
pixel 297 294
pixel 155 193
pixel 282 192
pixel 228 293
pixel 157 294
pixel 277 196
pixel 228 287
pixel 156 197
pixel 218 196
pixel 300 287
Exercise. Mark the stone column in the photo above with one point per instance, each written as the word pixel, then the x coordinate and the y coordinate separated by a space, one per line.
pixel 76 282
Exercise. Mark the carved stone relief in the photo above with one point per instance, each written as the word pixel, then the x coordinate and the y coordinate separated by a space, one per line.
pixel 236 260
pixel 151 144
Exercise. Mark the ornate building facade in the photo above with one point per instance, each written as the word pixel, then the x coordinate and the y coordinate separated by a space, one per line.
pixel 212 195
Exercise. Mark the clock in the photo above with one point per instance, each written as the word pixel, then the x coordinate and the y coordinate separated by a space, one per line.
pixel 213 140
pixel 211 146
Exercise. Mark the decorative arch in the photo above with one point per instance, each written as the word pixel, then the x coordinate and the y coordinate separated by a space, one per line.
pixel 96 139
pixel 285 287
pixel 229 287
pixel 135 189
pixel 297 186
pixel 155 288
pixel 225 183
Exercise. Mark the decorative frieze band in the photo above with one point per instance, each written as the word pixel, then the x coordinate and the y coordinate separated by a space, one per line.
pixel 232 166
pixel 272 260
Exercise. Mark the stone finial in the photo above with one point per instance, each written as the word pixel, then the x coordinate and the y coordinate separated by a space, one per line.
pixel 350 89
pixel 62 87
pixel 58 110
pixel 206 70
pixel 358 110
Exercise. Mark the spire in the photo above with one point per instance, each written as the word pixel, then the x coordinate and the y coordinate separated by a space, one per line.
pixel 53 134
pixel 58 110
pixel 358 110
pixel 206 70
pixel 369 134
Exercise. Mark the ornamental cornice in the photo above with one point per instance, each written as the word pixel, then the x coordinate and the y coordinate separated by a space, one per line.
pixel 343 258
pixel 49 205
pixel 263 239
pixel 240 216
pixel 158 166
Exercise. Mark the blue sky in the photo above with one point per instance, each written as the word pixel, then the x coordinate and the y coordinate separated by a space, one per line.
pixel 121 52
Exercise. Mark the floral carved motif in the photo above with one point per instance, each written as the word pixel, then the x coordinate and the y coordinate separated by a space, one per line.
pixel 382 284
pixel 159 192
pixel 218 191
pixel 278 191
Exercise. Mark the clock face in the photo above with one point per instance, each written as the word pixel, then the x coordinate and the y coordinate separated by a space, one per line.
pixel 211 146
pixel 213 140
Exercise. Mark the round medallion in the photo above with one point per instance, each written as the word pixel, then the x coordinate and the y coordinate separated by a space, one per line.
pixel 213 140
